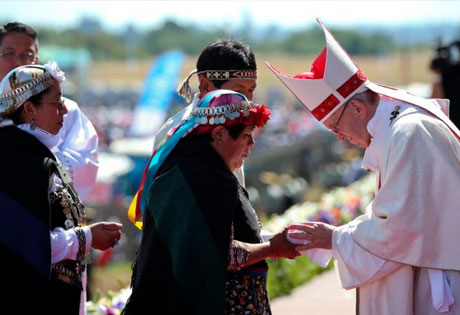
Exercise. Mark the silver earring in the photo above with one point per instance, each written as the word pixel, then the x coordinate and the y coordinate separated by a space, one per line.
pixel 32 125
pixel 219 143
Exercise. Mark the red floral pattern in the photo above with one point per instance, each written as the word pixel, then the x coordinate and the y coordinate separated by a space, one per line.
pixel 246 294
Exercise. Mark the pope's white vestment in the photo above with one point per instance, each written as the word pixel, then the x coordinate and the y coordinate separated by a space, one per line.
pixel 404 253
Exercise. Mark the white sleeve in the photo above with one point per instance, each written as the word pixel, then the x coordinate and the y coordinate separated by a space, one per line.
pixel 64 244
pixel 78 150
pixel 355 265
pixel 239 174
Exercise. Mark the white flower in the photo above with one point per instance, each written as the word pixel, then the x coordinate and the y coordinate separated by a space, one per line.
pixel 55 71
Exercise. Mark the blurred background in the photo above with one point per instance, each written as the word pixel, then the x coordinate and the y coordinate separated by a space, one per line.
pixel 117 52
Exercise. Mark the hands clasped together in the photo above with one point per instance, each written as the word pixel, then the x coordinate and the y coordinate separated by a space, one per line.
pixel 312 235
pixel 280 247
pixel 299 237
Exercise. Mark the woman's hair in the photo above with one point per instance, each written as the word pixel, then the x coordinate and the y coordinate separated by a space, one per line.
pixel 234 132
pixel 36 100
pixel 226 54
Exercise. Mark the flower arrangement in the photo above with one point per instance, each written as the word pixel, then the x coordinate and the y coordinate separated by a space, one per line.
pixel 111 304
pixel 336 207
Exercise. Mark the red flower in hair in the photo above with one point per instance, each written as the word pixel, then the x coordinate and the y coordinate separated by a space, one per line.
pixel 258 116
pixel 262 114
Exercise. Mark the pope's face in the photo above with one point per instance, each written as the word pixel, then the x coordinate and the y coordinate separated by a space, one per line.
pixel 346 124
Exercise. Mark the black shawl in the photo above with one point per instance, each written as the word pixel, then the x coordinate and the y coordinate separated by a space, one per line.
pixel 181 266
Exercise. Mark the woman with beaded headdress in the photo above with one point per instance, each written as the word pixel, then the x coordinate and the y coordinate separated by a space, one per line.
pixel 226 64
pixel 201 250
pixel 42 241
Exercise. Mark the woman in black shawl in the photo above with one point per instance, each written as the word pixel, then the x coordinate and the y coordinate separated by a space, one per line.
pixel 201 249
pixel 42 241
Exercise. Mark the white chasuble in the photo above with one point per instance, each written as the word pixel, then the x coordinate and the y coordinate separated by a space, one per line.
pixel 403 253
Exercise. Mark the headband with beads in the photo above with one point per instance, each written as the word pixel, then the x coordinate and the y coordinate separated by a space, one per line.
pixel 222 113
pixel 185 91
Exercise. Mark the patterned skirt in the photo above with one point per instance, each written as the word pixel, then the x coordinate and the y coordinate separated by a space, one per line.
pixel 246 293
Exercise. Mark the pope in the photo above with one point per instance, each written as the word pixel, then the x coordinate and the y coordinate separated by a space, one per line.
pixel 402 254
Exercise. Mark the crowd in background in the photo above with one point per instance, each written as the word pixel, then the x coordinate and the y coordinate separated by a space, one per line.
pixel 288 124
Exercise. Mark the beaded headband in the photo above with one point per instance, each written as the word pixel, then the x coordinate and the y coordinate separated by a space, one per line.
pixel 227 108
pixel 19 95
pixel 222 113
pixel 185 91
pixel 229 74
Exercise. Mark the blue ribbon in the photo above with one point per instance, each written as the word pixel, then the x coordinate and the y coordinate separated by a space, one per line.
pixel 25 235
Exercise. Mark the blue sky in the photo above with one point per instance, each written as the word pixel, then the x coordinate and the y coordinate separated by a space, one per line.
pixel 117 14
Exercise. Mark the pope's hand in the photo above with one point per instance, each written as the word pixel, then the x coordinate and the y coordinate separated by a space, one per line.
pixel 105 234
pixel 319 234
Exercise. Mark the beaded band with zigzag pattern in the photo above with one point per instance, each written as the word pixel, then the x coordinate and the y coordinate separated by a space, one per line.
pixel 20 94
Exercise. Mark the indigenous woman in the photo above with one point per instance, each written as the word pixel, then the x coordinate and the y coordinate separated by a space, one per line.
pixel 42 241
pixel 201 250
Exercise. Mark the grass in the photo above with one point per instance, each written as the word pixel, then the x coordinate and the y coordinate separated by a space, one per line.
pixel 284 275
pixel 113 277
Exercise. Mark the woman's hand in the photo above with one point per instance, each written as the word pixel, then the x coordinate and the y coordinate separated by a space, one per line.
pixel 105 234
pixel 280 247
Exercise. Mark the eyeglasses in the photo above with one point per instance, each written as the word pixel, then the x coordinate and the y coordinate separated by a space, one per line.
pixel 61 103
pixel 25 57
pixel 335 129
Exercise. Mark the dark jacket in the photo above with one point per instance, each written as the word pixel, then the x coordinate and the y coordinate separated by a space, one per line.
pixel 27 168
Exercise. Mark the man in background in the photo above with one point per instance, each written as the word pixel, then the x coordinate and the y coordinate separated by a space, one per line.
pixel 224 64
pixel 446 70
